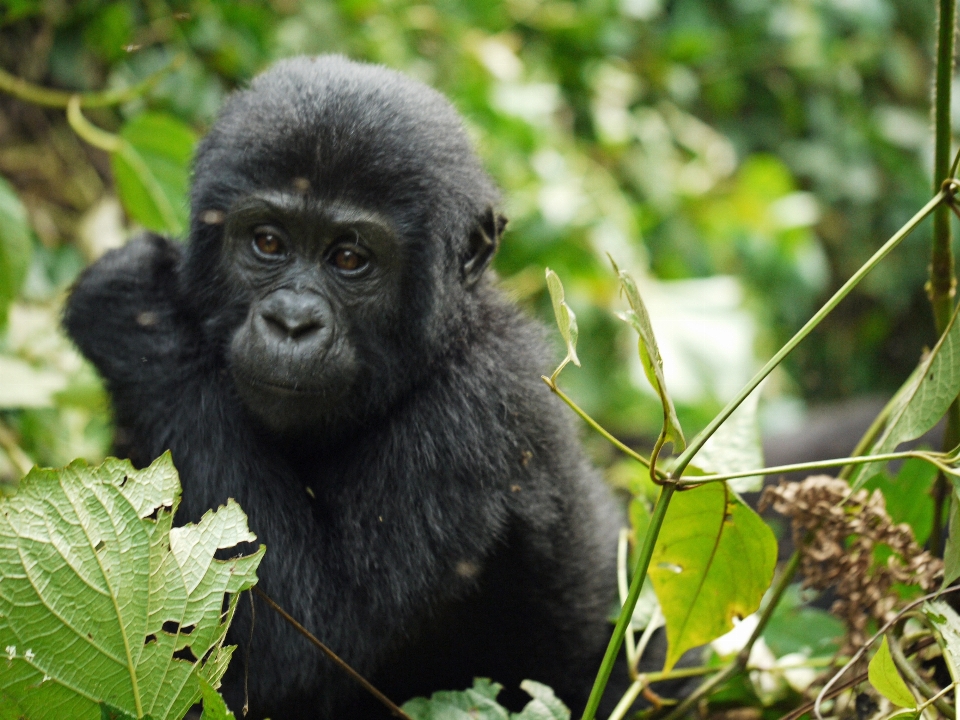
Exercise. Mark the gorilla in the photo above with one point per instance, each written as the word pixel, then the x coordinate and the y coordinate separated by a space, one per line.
pixel 328 349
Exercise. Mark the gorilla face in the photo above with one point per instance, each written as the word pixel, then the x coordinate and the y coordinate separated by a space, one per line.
pixel 335 236
pixel 321 286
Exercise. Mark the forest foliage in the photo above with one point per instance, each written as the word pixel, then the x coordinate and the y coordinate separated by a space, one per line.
pixel 741 160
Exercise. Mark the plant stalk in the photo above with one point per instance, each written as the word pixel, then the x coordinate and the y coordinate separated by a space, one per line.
pixel 47 97
pixel 694 447
pixel 626 612
pixel 942 285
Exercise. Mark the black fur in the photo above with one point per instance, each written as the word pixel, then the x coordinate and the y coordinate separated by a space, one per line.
pixel 439 524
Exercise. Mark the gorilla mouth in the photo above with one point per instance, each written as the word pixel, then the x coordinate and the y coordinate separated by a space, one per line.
pixel 278 388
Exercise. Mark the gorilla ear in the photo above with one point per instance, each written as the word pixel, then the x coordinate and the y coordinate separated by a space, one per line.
pixel 482 245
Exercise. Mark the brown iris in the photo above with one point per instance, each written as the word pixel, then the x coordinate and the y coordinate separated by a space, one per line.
pixel 348 260
pixel 267 243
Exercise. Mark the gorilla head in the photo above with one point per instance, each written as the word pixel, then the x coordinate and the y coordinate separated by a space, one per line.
pixel 339 211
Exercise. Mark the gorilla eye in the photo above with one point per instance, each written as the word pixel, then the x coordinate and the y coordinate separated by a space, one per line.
pixel 267 242
pixel 349 260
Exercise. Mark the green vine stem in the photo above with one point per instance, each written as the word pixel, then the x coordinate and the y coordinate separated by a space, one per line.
pixel 942 285
pixel 939 460
pixel 116 144
pixel 626 612
pixel 597 426
pixel 694 447
pixel 47 97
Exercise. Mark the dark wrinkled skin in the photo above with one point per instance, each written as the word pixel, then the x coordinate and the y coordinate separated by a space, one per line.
pixel 426 506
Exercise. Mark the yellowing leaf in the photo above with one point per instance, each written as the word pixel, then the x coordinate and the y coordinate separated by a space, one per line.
pixel 713 561
pixel 885 677
pixel 104 606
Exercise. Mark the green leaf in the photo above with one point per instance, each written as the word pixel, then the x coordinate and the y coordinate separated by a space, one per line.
pixel 152 171
pixel 947 622
pixel 15 246
pixel 566 320
pixel 735 446
pixel 476 703
pixel 9 710
pixel 798 628
pixel 214 706
pixel 108 712
pixel 544 706
pixel 93 576
pixel 713 561
pixel 638 317
pixel 921 401
pixel 951 551
pixel 907 496
pixel 885 677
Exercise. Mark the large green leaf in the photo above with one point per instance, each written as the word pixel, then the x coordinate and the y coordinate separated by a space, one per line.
pixel 639 318
pixel 735 446
pixel 885 677
pixel 921 401
pixel 152 171
pixel 102 600
pixel 713 561
pixel 15 246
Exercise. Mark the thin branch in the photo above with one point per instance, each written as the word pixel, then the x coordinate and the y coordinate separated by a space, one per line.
pixel 20 88
pixel 390 705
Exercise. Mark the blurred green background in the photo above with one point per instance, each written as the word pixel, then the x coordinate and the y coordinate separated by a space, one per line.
pixel 740 157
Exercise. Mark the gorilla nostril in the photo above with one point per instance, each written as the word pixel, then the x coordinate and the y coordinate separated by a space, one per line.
pixel 301 330
pixel 292 328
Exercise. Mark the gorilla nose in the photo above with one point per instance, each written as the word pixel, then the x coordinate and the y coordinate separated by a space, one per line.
pixel 292 315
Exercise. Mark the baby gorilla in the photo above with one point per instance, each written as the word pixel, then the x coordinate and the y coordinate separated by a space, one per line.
pixel 328 350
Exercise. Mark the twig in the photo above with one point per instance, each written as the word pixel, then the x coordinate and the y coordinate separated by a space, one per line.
pixel 367 685
pixel 740 661
pixel 20 88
